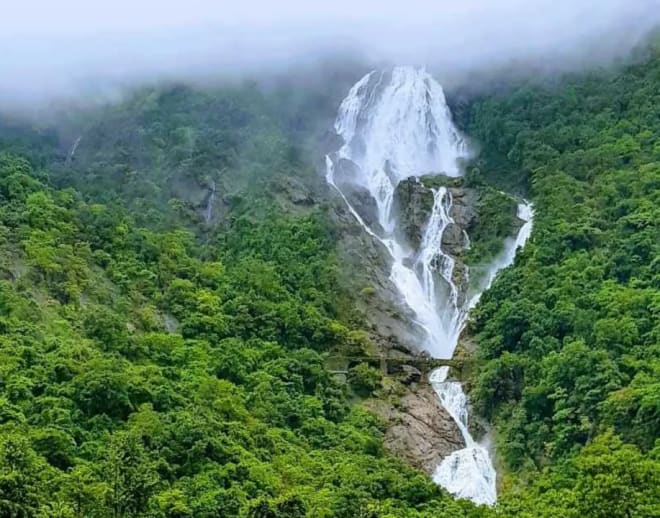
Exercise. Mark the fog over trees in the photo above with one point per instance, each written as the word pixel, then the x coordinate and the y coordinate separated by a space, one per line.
pixel 52 49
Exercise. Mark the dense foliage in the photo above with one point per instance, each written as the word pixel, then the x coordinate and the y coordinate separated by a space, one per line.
pixel 154 364
pixel 160 151
pixel 569 338
pixel 139 380
pixel 497 221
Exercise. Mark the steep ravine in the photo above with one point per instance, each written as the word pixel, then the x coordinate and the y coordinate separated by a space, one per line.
pixel 420 431
pixel 431 233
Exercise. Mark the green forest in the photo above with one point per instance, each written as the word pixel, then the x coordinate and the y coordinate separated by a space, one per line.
pixel 569 338
pixel 159 363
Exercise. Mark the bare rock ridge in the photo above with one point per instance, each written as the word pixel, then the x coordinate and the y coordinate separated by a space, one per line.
pixel 365 274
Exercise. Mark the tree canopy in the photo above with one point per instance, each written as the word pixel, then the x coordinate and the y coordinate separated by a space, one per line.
pixel 155 364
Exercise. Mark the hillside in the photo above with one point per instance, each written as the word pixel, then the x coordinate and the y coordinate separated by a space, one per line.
pixel 569 356
pixel 170 291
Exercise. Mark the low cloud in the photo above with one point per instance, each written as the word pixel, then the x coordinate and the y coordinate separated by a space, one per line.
pixel 53 49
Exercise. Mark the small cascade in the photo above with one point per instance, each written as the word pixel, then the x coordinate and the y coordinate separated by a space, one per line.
pixel 466 473
pixel 432 260
pixel 395 125
pixel 72 151
pixel 208 212
pixel 506 257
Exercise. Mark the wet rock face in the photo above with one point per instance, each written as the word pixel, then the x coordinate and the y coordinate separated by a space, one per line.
pixel 345 172
pixel 413 204
pixel 365 205
pixel 453 240
pixel 359 197
pixel 419 431
pixel 365 273
pixel 464 210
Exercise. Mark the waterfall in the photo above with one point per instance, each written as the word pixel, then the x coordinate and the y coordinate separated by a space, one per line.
pixel 208 212
pixel 431 258
pixel 396 124
pixel 466 473
pixel 469 472
pixel 72 151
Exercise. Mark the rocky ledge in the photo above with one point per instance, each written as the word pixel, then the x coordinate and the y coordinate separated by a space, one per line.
pixel 419 429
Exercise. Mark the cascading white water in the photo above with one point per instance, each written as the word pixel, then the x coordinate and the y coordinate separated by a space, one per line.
pixel 432 259
pixel 72 151
pixel 396 124
pixel 208 212
pixel 469 472
pixel 466 473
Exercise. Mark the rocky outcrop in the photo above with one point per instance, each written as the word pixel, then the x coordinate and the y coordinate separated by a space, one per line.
pixel 413 203
pixel 453 240
pixel 362 201
pixel 292 191
pixel 419 429
pixel 464 208
pixel 365 273
pixel 410 374
pixel 359 197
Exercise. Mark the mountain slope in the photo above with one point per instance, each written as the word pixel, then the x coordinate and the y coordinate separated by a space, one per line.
pixel 139 379
pixel 569 339
pixel 158 364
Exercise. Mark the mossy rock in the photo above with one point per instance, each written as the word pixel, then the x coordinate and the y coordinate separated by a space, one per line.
pixel 413 204
pixel 435 181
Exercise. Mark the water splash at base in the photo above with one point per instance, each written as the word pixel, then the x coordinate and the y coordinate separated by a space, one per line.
pixel 466 473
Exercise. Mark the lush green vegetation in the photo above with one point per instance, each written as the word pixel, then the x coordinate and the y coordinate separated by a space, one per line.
pixel 569 338
pixel 160 151
pixel 154 365
pixel 497 221
pixel 139 379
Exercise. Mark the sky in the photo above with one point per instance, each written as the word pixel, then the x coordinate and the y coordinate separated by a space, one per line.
pixel 51 48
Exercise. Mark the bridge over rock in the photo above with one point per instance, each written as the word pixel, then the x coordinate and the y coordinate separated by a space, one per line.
pixel 416 368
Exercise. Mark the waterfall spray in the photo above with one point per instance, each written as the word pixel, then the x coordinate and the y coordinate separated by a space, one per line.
pixel 395 125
